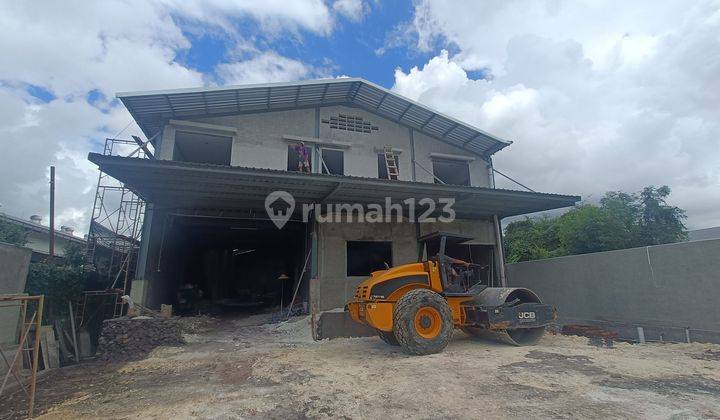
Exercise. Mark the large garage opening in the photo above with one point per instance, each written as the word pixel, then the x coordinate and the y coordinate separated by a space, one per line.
pixel 225 266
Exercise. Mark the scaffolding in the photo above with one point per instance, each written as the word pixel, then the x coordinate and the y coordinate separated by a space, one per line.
pixel 116 223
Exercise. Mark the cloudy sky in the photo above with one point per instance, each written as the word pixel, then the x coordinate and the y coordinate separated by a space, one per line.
pixel 596 95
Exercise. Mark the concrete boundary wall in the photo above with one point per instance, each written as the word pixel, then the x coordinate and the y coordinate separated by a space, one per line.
pixel 672 291
pixel 14 265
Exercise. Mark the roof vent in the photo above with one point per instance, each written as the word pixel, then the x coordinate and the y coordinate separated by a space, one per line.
pixel 36 219
pixel 67 229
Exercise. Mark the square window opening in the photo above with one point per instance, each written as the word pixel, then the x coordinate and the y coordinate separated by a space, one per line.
pixel 382 167
pixel 299 158
pixel 451 172
pixel 202 148
pixel 334 161
pixel 364 257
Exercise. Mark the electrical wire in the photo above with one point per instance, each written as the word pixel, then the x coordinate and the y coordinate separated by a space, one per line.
pixel 123 130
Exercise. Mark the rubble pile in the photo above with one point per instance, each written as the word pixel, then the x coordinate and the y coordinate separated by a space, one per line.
pixel 133 338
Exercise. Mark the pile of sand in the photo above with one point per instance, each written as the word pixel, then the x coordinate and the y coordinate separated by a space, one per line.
pixel 294 330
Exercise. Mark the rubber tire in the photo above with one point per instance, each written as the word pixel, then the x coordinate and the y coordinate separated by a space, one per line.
pixel 404 326
pixel 388 337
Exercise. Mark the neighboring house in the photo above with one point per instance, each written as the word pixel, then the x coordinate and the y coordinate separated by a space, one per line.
pixel 38 236
pixel 220 151
pixel 702 234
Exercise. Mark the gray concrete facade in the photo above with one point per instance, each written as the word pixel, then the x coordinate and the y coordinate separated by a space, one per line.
pixel 336 288
pixel 261 140
pixel 14 265
pixel 670 290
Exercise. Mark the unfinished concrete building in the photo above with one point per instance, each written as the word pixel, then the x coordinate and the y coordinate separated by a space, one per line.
pixel 220 151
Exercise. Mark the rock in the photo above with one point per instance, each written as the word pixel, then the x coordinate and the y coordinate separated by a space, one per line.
pixel 133 338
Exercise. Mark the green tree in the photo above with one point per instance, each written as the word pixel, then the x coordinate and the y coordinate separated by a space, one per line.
pixel 60 280
pixel 620 221
pixel 12 233
pixel 660 223
pixel 532 239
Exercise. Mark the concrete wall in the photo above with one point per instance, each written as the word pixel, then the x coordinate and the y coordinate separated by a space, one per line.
pixel 663 288
pixel 361 157
pixel 481 230
pixel 14 264
pixel 260 143
pixel 260 136
pixel 335 286
pixel 40 242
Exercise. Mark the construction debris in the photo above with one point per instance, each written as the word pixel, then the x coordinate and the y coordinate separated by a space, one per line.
pixel 598 337
pixel 133 338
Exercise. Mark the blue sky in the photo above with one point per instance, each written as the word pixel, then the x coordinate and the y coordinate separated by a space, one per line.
pixel 590 107
pixel 352 49
pixel 355 48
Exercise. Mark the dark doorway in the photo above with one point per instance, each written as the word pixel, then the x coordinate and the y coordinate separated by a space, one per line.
pixel 219 265
pixel 333 162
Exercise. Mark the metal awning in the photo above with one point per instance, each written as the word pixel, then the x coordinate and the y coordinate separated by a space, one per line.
pixel 183 185
pixel 152 109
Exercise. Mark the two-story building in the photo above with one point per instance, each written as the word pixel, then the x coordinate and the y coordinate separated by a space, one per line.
pixel 220 151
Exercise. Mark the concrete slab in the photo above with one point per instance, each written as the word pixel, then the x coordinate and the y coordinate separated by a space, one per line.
pixel 339 324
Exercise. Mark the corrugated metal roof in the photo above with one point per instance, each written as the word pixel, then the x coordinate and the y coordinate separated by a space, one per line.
pixel 152 109
pixel 203 186
pixel 39 228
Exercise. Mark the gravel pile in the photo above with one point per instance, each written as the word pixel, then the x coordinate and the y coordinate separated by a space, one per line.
pixel 134 338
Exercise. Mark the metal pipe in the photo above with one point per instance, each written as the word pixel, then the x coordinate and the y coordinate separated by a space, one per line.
pixel 513 180
pixel 51 250
pixel 500 252
pixel 36 351
pixel 432 174
pixel 412 153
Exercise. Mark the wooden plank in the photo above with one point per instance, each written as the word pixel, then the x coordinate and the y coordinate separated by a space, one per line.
pixel 43 348
pixel 50 351
pixel 74 333
pixel 64 351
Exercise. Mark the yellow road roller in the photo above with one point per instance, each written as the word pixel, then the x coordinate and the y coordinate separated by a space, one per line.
pixel 417 306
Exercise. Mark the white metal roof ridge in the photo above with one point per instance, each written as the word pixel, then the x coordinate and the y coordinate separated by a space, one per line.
pixel 154 106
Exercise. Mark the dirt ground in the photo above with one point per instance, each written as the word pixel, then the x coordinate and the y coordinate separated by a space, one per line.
pixel 242 368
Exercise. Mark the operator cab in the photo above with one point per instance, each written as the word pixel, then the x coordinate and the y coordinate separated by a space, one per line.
pixel 460 274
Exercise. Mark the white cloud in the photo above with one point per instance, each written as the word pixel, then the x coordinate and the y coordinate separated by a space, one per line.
pixel 352 9
pixel 264 68
pixel 273 15
pixel 36 135
pixel 591 107
pixel 73 48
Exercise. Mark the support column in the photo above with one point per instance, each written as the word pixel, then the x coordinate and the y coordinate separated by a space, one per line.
pixel 412 154
pixel 139 286
pixel 491 172
pixel 316 165
pixel 499 252
pixel 167 145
